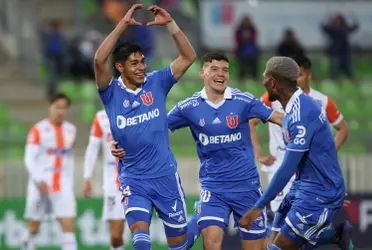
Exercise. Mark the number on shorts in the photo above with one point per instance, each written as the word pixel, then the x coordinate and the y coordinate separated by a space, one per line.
pixel 205 195
pixel 126 191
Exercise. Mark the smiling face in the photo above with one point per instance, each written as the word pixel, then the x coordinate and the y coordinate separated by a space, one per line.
pixel 133 69
pixel 215 75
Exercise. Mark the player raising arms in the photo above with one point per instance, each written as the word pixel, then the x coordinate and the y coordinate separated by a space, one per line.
pixel 310 152
pixel 135 106
pixel 277 149
pixel 50 162
pixel 112 209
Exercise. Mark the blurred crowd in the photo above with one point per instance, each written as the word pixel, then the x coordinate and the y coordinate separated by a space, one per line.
pixel 74 57
pixel 336 29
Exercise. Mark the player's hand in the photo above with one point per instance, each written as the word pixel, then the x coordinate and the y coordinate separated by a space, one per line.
pixel 267 160
pixel 129 17
pixel 347 203
pixel 247 220
pixel 162 17
pixel 117 152
pixel 44 189
pixel 87 188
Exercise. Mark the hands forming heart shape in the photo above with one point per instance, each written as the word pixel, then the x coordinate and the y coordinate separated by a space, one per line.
pixel 162 17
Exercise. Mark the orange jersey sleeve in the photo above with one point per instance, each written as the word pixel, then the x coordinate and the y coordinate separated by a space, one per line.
pixel 333 114
pixel 33 137
pixel 265 99
pixel 96 129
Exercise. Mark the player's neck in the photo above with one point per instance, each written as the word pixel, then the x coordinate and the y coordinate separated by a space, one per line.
pixel 286 96
pixel 54 122
pixel 128 84
pixel 214 96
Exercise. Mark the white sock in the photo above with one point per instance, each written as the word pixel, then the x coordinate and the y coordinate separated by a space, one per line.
pixel 69 241
pixel 116 248
pixel 28 241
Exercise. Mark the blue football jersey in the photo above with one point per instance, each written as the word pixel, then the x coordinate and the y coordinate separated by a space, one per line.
pixel 138 121
pixel 306 129
pixel 222 137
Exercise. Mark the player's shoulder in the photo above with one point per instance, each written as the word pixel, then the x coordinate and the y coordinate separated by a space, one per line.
pixel 240 96
pixel 69 126
pixel 319 97
pixel 41 125
pixel 304 109
pixel 155 73
pixel 190 102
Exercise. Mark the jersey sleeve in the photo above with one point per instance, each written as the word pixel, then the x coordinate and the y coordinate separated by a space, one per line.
pixel 96 130
pixel 176 119
pixel 333 114
pixel 265 99
pixel 33 137
pixel 300 135
pixel 257 109
pixel 107 94
pixel 165 79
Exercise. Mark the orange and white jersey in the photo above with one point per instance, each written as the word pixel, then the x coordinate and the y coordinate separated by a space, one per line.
pixel 276 143
pixel 49 154
pixel 101 135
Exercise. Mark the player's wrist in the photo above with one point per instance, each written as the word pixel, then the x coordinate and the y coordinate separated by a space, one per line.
pixel 173 27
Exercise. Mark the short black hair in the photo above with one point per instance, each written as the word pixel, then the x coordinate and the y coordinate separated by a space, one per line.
pixel 209 57
pixel 302 61
pixel 122 52
pixel 58 96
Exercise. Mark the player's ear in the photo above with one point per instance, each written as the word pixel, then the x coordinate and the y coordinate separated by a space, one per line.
pixel 202 73
pixel 310 75
pixel 119 67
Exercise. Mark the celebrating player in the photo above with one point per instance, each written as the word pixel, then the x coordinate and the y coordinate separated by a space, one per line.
pixel 112 209
pixel 135 105
pixel 218 118
pixel 310 152
pixel 50 162
pixel 277 150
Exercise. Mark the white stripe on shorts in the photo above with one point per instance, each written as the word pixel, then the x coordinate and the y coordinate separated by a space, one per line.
pixel 181 195
pixel 211 218
pixel 136 209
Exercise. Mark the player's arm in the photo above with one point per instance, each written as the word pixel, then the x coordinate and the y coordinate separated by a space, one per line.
pixel 102 69
pixel 176 119
pixel 186 52
pixel 32 152
pixel 300 136
pixel 338 122
pixel 91 155
pixel 267 160
pixel 257 109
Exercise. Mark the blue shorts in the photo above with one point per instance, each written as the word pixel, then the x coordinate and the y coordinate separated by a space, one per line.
pixel 215 209
pixel 281 213
pixel 165 194
pixel 306 221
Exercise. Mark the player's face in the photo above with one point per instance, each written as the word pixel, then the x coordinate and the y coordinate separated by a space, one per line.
pixel 58 110
pixel 216 75
pixel 271 87
pixel 304 78
pixel 133 69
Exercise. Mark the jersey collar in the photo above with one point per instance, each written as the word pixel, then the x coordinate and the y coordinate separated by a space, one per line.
pixel 226 95
pixel 129 90
pixel 292 99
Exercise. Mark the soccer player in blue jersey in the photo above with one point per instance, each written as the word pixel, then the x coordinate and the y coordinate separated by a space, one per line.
pixel 218 119
pixel 135 106
pixel 310 152
pixel 341 234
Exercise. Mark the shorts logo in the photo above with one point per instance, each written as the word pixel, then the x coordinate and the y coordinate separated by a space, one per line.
pixel 147 98
pixel 126 191
pixel 174 207
pixel 232 121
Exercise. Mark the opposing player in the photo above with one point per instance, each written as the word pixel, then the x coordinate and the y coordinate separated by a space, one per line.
pixel 135 105
pixel 112 209
pixel 49 160
pixel 277 148
pixel 310 152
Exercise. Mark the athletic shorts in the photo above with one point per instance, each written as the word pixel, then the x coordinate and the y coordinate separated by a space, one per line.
pixel 215 209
